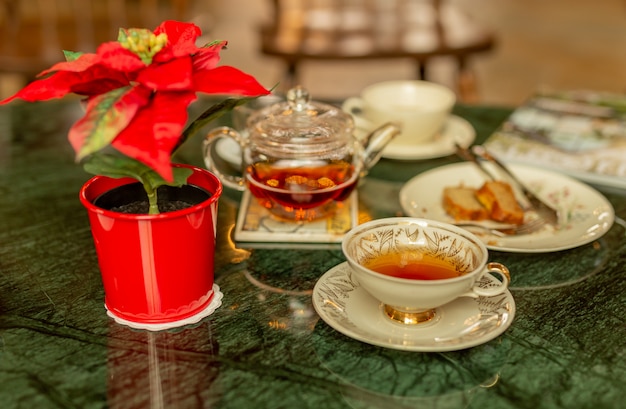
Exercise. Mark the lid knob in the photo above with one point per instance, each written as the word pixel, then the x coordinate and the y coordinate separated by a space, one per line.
pixel 298 98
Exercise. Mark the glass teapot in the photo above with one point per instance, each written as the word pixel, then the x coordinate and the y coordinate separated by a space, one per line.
pixel 299 157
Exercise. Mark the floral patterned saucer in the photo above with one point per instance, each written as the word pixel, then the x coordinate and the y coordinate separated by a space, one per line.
pixel 466 322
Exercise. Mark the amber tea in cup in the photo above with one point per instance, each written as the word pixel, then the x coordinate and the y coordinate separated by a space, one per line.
pixel 413 266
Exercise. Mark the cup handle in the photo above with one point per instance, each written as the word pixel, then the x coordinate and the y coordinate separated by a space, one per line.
pixel 233 181
pixel 353 105
pixel 494 288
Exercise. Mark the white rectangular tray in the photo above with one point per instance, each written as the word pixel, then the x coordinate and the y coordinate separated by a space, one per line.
pixel 255 224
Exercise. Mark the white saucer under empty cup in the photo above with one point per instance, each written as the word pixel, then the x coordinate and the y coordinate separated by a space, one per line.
pixel 421 108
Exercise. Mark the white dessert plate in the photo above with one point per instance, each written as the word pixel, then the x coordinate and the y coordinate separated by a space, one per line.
pixel 585 213
pixel 456 130
pixel 466 322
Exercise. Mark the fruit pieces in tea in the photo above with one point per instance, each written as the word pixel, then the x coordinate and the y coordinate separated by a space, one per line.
pixel 302 187
pixel 413 265
pixel 302 178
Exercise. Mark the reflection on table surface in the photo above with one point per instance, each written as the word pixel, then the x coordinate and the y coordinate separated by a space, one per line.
pixel 265 346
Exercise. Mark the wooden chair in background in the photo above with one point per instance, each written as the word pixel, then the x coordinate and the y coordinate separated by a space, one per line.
pixel 419 30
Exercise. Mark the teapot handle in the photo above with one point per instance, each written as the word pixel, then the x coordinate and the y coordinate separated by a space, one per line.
pixel 233 181
pixel 376 141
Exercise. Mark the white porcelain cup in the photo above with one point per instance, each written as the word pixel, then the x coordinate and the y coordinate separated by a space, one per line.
pixel 409 243
pixel 419 107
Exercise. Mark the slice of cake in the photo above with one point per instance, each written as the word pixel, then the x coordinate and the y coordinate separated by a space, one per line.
pixel 461 203
pixel 499 199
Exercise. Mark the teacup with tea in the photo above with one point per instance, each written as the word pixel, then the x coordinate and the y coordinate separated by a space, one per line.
pixel 413 266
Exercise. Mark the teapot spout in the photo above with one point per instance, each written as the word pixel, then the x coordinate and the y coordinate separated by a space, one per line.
pixel 376 141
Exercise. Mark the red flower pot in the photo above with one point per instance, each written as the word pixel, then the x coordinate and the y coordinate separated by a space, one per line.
pixel 157 270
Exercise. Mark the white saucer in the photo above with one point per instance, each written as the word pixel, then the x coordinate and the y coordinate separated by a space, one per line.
pixel 456 130
pixel 344 305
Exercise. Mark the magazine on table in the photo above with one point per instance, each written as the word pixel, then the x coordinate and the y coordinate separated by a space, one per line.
pixel 579 133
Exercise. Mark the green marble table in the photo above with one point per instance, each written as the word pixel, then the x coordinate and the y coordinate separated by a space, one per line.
pixel 265 347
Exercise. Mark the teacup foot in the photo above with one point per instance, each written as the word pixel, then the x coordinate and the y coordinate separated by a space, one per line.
pixel 409 317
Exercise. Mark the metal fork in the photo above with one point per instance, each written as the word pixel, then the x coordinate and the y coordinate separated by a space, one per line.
pixel 543 210
pixel 509 230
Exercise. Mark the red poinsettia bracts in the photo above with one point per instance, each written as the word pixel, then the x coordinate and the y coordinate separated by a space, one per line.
pixel 138 90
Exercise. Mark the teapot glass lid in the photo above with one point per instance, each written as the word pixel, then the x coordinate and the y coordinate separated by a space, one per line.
pixel 299 121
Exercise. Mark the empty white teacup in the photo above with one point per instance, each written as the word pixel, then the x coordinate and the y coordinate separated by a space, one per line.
pixel 421 108
pixel 413 266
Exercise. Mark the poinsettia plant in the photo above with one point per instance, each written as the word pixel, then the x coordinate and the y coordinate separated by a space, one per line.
pixel 137 92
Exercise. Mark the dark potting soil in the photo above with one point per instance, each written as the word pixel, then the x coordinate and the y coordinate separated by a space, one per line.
pixel 132 198
pixel 141 207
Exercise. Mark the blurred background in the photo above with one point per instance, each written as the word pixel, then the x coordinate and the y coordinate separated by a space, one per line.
pixel 538 44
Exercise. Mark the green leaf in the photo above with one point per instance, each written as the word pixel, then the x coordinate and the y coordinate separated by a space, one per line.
pixel 122 35
pixel 107 115
pixel 212 43
pixel 114 166
pixel 119 166
pixel 154 180
pixel 71 55
pixel 212 113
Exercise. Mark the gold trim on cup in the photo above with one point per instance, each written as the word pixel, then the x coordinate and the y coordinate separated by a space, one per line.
pixel 409 317
pixel 501 268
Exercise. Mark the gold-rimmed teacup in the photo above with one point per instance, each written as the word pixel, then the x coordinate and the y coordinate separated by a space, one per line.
pixel 413 266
